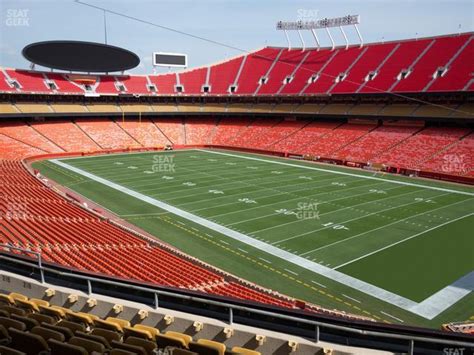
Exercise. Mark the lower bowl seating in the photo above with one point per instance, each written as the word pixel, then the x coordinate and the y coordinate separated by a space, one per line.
pixel 50 330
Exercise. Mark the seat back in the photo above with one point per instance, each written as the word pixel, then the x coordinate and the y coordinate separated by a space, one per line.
pixel 47 334
pixel 203 349
pixel 213 344
pixel 96 338
pixel 12 323
pixel 60 348
pixel 121 352
pixel 177 351
pixel 89 345
pixel 74 327
pixel 68 334
pixel 244 351
pixel 29 343
pixel 167 340
pixel 4 350
pixel 107 334
pixel 13 310
pixel 186 338
pixel 149 346
pixel 30 323
pixel 104 324
pixel 132 348
pixel 138 333
pixel 42 318
pixel 4 337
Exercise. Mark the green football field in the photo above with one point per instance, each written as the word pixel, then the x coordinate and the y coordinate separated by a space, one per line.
pixel 396 249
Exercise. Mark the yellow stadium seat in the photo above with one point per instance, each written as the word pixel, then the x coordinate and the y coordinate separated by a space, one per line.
pixel 54 312
pixel 99 323
pixel 28 305
pixel 153 331
pixel 121 322
pixel 138 333
pixel 213 344
pixel 18 296
pixel 39 302
pixel 243 351
pixel 186 338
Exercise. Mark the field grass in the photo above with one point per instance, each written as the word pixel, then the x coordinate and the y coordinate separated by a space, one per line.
pixel 407 236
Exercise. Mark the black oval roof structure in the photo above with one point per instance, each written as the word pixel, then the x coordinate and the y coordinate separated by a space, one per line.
pixel 80 56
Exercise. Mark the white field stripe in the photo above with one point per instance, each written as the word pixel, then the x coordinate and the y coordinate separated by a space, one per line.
pixel 291 272
pixel 402 241
pixel 381 227
pixel 349 220
pixel 352 299
pixel 265 260
pixel 142 214
pixel 210 182
pixel 260 186
pixel 334 275
pixel 389 315
pixel 296 198
pixel 307 197
pixel 216 186
pixel 317 283
pixel 343 173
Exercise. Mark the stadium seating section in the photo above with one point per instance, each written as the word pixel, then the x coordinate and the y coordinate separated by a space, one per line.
pixel 69 235
pixel 437 64
pixel 432 149
pixel 34 326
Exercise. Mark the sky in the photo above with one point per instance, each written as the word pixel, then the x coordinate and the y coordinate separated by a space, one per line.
pixel 245 24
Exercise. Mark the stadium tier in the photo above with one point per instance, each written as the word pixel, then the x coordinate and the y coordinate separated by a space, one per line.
pixel 399 146
pixel 437 64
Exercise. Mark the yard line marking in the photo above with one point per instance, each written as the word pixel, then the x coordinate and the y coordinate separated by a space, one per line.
pixel 296 198
pixel 317 283
pixel 142 214
pixel 308 197
pixel 223 241
pixel 243 251
pixel 183 224
pixel 291 272
pixel 265 260
pixel 389 315
pixel 194 229
pixel 374 229
pixel 353 299
pixel 402 241
pixel 210 236
pixel 349 220
pixel 430 307
pixel 342 173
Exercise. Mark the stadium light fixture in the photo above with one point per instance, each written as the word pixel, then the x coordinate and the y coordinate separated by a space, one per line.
pixel 326 23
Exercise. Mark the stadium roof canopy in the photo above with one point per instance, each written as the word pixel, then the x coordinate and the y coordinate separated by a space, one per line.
pixel 80 56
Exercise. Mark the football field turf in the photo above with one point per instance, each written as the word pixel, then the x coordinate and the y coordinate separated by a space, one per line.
pixel 392 248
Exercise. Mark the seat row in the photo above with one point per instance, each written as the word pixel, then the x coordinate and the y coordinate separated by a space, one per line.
pixel 33 326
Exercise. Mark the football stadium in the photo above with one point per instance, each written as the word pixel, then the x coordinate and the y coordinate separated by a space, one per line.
pixel 311 196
